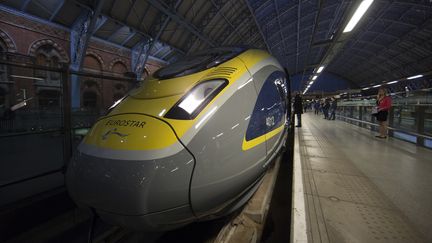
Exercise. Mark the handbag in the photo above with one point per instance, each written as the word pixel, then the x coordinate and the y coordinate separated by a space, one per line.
pixel 374 110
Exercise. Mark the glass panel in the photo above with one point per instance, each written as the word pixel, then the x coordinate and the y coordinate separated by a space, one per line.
pixel 404 117
pixel 31 134
pixel 97 95
pixel 32 129
pixel 367 113
pixel 428 121
pixel 356 112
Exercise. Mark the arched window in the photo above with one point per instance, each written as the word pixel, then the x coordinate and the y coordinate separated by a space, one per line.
pixel 91 91
pixel 48 56
pixel 3 68
pixel 2 99
pixel 119 91
pixel 119 87
pixel 92 64
pixel 91 84
pixel 145 74
pixel 117 96
pixel 89 100
pixel 3 78
pixel 119 68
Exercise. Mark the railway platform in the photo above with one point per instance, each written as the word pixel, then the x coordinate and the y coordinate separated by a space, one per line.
pixel 353 187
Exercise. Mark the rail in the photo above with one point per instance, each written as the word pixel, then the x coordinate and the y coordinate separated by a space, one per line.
pixel 390 128
pixel 410 122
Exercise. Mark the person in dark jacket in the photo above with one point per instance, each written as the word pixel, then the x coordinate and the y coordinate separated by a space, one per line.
pixel 317 107
pixel 298 108
pixel 326 108
pixel 333 108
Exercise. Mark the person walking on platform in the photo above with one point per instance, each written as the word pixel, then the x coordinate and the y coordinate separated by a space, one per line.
pixel 333 108
pixel 298 108
pixel 326 108
pixel 384 103
pixel 317 107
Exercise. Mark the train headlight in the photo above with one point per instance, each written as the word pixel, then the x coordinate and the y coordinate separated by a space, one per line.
pixel 191 104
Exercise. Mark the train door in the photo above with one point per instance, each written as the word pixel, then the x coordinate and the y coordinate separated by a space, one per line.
pixel 275 110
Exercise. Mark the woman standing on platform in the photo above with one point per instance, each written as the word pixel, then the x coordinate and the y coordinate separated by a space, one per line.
pixel 384 103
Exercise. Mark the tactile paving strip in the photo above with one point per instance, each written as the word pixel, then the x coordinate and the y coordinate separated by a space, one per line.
pixel 342 204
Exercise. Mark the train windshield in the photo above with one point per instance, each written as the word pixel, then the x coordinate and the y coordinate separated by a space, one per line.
pixel 198 62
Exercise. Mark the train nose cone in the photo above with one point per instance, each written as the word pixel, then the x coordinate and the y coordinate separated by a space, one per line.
pixel 132 169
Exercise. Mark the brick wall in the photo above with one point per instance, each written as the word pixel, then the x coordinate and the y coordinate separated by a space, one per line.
pixel 26 35
pixel 25 32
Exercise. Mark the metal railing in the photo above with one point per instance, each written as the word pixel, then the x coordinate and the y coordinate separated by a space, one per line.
pixel 407 120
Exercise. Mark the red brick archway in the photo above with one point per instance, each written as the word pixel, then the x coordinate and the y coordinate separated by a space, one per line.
pixel 35 45
pixel 9 43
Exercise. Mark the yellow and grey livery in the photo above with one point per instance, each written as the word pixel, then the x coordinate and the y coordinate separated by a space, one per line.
pixel 191 144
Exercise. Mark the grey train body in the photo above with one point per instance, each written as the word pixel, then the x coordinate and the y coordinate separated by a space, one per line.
pixel 207 175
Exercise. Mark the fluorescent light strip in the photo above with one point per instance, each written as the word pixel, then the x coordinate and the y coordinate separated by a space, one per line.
pixel 376 86
pixel 26 77
pixel 416 76
pixel 320 69
pixel 393 82
pixel 361 10
pixel 314 77
pixel 366 88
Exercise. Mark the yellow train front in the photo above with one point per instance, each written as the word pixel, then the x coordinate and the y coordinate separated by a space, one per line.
pixel 191 144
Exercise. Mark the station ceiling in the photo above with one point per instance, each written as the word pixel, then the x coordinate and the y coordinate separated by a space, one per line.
pixel 393 40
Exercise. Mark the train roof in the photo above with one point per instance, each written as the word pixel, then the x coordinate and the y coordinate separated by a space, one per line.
pixel 199 61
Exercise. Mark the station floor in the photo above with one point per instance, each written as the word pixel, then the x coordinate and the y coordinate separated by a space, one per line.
pixel 358 188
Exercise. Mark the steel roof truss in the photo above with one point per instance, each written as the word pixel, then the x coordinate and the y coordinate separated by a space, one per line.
pixel 136 29
pixel 139 52
pixel 258 26
pixel 25 5
pixel 115 33
pixel 141 21
pixel 161 29
pixel 129 10
pixel 81 33
pixel 57 9
pixel 173 15
pixel 128 38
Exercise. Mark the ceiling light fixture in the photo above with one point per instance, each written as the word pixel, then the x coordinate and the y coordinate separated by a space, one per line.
pixel 393 82
pixel 314 77
pixel 320 69
pixel 416 76
pixel 27 77
pixel 361 10
pixel 366 88
pixel 376 86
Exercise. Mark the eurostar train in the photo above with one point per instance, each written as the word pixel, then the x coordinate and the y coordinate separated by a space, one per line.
pixel 192 143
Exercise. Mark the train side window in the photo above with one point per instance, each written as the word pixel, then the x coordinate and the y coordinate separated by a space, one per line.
pixel 281 86
pixel 269 108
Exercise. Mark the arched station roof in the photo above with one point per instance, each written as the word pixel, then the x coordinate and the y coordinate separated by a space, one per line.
pixel 393 40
